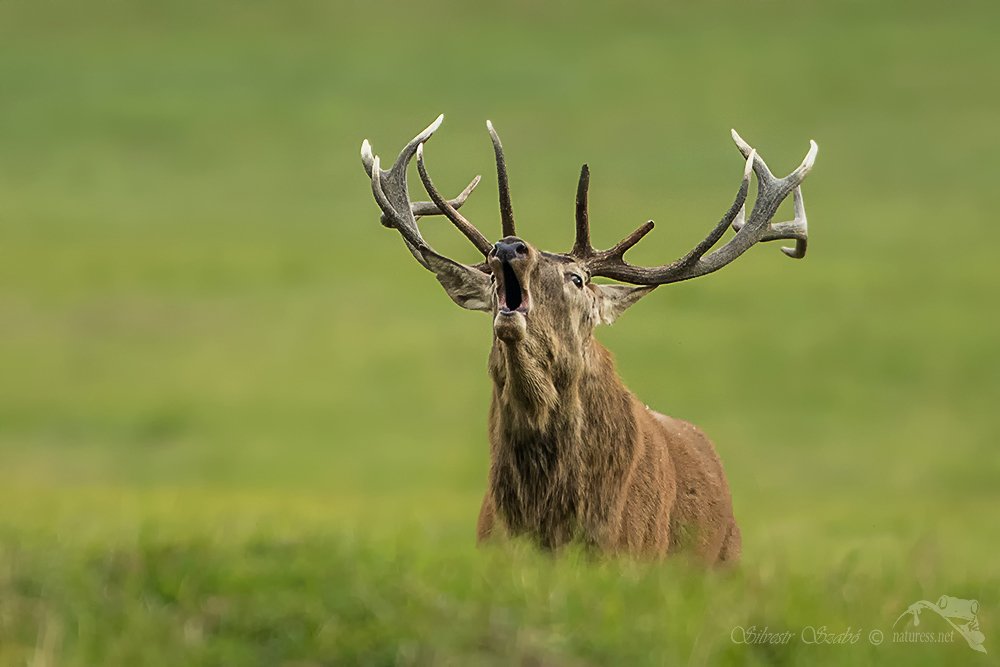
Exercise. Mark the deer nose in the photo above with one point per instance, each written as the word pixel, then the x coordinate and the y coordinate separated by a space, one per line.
pixel 510 248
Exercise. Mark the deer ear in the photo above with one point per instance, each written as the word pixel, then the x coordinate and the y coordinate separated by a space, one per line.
pixel 468 287
pixel 613 300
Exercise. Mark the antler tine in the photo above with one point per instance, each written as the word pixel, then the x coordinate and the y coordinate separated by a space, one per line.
pixel 367 158
pixel 582 248
pixel 797 228
pixel 503 185
pixel 392 196
pixel 463 225
pixel 619 249
pixel 749 231
pixel 390 217
pixel 736 211
pixel 425 208
pixel 410 149
pixel 759 166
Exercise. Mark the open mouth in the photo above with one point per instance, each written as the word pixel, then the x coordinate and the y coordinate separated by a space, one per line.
pixel 511 294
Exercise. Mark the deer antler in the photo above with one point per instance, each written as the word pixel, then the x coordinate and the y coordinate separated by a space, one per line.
pixel 393 198
pixel 698 262
pixel 503 185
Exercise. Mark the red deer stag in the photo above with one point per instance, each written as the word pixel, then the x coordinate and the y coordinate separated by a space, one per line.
pixel 574 455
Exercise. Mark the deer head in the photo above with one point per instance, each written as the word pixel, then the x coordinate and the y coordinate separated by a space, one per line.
pixel 545 304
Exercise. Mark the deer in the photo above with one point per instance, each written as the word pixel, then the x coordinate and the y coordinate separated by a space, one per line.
pixel 574 456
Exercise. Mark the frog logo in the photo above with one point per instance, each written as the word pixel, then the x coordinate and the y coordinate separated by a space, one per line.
pixel 962 615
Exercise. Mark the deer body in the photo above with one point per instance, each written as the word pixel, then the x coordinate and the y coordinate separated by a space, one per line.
pixel 574 455
pixel 594 463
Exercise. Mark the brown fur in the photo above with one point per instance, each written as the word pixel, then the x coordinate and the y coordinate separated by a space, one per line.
pixel 575 456
pixel 605 469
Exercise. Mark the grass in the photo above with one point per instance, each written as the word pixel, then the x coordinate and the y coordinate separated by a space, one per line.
pixel 239 425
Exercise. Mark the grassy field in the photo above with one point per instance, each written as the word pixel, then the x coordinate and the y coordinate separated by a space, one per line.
pixel 240 426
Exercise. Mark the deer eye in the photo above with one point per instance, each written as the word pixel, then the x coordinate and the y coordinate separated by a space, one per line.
pixel 577 280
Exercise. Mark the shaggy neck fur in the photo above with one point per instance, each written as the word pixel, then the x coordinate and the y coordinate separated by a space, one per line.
pixel 548 481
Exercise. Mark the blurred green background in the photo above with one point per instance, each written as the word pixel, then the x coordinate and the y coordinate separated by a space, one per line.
pixel 240 425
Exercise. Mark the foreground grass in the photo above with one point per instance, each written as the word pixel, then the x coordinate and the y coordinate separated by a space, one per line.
pixel 199 578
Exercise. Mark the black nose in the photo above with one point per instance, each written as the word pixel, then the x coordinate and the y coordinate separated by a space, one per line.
pixel 510 248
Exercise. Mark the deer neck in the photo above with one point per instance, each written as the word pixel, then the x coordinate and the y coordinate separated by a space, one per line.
pixel 550 425
pixel 535 390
